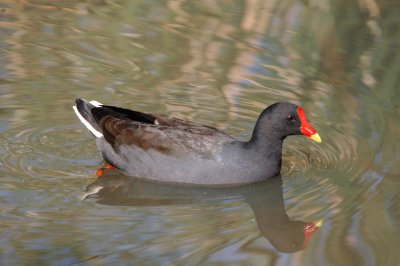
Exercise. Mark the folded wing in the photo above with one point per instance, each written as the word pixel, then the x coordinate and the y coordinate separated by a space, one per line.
pixel 161 133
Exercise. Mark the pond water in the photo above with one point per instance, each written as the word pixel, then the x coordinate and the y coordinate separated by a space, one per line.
pixel 219 63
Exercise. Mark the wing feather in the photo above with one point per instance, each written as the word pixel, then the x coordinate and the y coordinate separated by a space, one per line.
pixel 171 136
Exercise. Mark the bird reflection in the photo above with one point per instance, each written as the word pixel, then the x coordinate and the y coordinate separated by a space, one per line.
pixel 265 198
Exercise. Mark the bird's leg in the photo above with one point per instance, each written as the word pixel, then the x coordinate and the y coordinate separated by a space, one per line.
pixel 100 171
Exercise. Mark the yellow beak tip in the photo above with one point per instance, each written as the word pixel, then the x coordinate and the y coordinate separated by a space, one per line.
pixel 319 222
pixel 316 138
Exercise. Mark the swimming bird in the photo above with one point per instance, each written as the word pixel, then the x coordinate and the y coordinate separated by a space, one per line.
pixel 163 148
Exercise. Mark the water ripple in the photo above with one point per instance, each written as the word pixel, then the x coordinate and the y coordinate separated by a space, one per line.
pixel 47 151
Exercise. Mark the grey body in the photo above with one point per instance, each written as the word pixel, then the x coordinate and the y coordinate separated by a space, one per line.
pixel 168 149
pixel 227 165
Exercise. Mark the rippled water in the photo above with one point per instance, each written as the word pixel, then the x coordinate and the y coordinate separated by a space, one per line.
pixel 218 63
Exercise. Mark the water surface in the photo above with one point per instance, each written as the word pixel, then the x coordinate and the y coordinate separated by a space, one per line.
pixel 218 63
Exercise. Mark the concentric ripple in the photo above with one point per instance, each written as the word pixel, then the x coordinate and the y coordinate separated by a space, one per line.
pixel 48 151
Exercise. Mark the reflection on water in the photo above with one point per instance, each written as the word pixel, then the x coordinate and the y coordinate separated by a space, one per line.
pixel 265 199
pixel 218 63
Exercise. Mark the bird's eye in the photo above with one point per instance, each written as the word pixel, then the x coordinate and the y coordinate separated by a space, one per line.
pixel 290 118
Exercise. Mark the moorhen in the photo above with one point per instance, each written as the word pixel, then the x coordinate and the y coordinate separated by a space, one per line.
pixel 168 149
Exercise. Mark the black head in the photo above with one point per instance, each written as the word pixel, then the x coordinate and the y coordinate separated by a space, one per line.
pixel 282 119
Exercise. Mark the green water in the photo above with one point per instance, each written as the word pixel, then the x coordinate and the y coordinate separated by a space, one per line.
pixel 218 63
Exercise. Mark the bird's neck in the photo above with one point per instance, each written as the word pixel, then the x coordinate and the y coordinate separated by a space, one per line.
pixel 266 139
pixel 266 144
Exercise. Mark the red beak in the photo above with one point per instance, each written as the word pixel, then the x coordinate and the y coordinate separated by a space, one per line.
pixel 306 129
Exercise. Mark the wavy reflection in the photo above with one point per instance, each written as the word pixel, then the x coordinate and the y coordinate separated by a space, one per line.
pixel 265 198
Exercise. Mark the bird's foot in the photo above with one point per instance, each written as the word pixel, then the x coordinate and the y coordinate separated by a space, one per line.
pixel 100 171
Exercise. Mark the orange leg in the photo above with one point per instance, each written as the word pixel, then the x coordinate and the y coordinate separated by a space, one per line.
pixel 100 171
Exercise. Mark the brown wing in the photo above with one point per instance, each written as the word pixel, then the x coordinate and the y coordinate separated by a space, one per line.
pixel 168 135
pixel 166 120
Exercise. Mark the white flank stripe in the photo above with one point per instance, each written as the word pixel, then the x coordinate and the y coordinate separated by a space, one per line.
pixel 86 123
pixel 96 103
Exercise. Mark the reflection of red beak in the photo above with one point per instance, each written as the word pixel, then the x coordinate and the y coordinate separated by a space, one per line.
pixel 309 229
pixel 306 129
